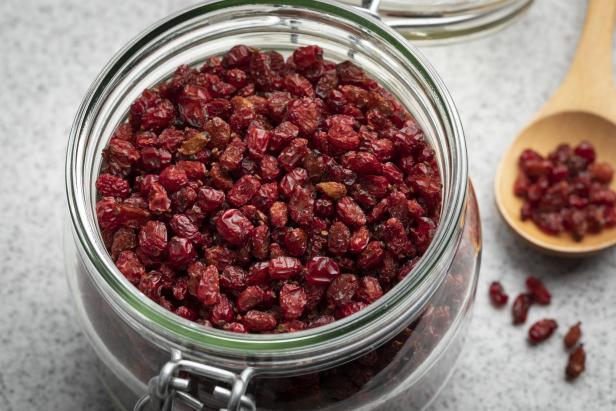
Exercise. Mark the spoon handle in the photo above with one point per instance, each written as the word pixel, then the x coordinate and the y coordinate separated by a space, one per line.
pixel 592 65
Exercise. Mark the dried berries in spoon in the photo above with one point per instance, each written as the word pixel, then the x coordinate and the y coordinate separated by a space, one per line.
pixel 263 194
pixel 566 191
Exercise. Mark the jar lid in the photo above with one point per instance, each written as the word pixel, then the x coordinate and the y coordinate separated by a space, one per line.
pixel 444 20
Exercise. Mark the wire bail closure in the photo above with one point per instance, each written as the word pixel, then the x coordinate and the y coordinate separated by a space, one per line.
pixel 371 6
pixel 168 388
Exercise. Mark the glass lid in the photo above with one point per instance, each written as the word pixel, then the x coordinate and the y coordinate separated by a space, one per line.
pixel 435 21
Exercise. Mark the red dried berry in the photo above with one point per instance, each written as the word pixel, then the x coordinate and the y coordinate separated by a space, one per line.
pixel 298 177
pixel 243 190
pixel 520 308
pixel 359 240
pixel 573 335
pixel 222 312
pixel 120 156
pixel 293 154
pixel 183 226
pixel 307 56
pixel 259 321
pixel 369 289
pixel 371 256
pixel 497 294
pixel 292 299
pixel 173 178
pixel 187 312
pixel 321 270
pixel 234 227
pixel 258 273
pixel 158 199
pixel 349 308
pixel 180 252
pixel 296 242
pixel 338 238
pixel 153 238
pixel 128 263
pixel 278 214
pixel 341 135
pixel 350 213
pixel 537 290
pixel 233 278
pixel 541 330
pixel 123 239
pixel 235 328
pixel 306 113
pixel 112 186
pixel 586 151
pixel 301 206
pixel 283 268
pixel 257 140
pixel 298 85
pixel 210 199
pixel 577 363
pixel 208 288
pixel 342 289
pixel 251 297
pixel 151 112
pixel 268 168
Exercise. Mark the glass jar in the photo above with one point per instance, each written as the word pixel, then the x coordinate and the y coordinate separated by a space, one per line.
pixel 399 350
pixel 438 21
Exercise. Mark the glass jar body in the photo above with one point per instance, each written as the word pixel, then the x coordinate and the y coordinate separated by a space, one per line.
pixel 399 349
pixel 407 369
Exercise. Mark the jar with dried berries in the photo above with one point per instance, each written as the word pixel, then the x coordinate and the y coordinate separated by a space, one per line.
pixel 285 223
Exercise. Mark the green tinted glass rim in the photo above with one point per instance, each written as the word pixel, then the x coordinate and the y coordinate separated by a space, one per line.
pixel 171 325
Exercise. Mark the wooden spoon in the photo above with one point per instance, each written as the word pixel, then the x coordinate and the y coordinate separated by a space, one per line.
pixel 583 108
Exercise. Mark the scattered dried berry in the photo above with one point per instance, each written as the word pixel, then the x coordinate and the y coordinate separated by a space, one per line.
pixel 520 308
pixel 541 330
pixel 497 294
pixel 573 335
pixel 577 363
pixel 537 290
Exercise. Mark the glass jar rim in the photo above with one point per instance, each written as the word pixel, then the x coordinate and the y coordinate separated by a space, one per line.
pixel 175 328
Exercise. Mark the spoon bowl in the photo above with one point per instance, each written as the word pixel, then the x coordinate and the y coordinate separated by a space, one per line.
pixel 583 108
pixel 543 136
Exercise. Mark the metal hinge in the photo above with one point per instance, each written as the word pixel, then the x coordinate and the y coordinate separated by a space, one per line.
pixel 168 388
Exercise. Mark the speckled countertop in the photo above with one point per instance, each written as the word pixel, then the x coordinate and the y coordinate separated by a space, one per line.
pixel 50 51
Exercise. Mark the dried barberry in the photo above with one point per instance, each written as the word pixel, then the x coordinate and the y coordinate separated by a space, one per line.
pixel 573 335
pixel 537 290
pixel 497 294
pixel 520 308
pixel 577 363
pixel 541 330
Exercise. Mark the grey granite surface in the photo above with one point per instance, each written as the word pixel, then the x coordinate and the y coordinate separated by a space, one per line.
pixel 51 50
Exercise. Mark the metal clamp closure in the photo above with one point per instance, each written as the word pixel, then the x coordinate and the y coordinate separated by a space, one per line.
pixel 168 388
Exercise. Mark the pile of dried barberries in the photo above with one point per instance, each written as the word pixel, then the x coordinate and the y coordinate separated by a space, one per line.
pixel 566 191
pixel 258 194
